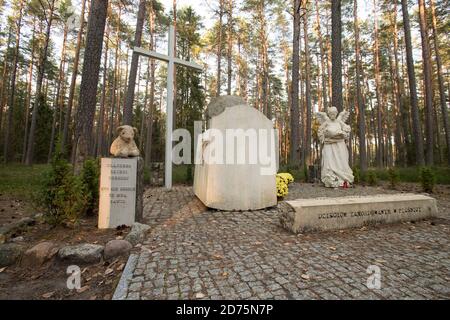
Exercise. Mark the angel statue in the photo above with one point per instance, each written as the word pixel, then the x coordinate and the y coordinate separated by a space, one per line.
pixel 333 132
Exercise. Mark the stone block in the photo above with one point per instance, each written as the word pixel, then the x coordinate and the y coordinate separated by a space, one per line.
pixel 322 214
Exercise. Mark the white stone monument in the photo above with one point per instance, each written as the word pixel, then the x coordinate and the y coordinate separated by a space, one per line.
pixel 117 192
pixel 236 158
pixel 121 183
pixel 333 132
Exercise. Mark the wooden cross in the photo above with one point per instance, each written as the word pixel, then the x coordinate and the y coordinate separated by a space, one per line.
pixel 172 60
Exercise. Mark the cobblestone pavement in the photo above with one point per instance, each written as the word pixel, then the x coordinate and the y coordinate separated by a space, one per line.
pixel 192 253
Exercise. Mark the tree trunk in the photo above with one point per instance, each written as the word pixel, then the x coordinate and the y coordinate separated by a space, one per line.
pixel 417 128
pixel 267 110
pixel 322 60
pixel 442 100
pixel 73 81
pixel 400 92
pixel 58 93
pixel 13 85
pixel 128 108
pixel 294 138
pixel 336 49
pixel 307 141
pixel 230 44
pixel 149 135
pixel 219 48
pixel 376 53
pixel 429 127
pixel 359 99
pixel 28 101
pixel 113 91
pixel 101 116
pixel 4 84
pixel 175 89
pixel 39 97
pixel 400 146
pixel 89 82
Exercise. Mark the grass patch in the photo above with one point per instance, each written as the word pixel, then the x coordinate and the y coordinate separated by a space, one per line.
pixel 182 174
pixel 20 181
pixel 297 172
pixel 413 174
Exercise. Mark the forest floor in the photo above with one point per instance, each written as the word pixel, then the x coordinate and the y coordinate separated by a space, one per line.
pixel 48 281
pixel 17 185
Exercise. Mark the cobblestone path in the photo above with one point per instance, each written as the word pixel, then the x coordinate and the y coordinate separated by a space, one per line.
pixel 193 253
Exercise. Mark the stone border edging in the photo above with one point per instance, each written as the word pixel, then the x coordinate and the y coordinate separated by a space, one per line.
pixel 127 274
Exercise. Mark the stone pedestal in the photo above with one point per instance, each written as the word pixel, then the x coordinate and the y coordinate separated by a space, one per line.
pixel 349 212
pixel 121 192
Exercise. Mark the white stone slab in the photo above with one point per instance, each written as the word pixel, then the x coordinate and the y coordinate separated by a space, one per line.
pixel 348 212
pixel 117 192
pixel 243 184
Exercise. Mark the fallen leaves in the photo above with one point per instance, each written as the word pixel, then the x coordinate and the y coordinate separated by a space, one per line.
pixel 305 276
pixel 48 295
pixel 82 289
pixel 108 271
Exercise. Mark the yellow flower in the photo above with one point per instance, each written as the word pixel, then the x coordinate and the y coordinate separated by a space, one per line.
pixel 282 182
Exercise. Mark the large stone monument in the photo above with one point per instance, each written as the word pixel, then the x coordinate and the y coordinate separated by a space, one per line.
pixel 333 132
pixel 236 158
pixel 121 183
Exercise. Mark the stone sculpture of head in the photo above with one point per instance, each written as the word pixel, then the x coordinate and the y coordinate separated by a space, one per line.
pixel 333 113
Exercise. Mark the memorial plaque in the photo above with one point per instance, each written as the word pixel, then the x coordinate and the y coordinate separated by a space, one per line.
pixel 322 214
pixel 117 192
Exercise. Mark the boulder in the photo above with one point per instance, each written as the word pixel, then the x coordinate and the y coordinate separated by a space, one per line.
pixel 81 254
pixel 39 254
pixel 14 226
pixel 115 248
pixel 137 233
pixel 10 253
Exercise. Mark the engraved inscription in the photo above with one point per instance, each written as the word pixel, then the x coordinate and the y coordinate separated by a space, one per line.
pixel 368 213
